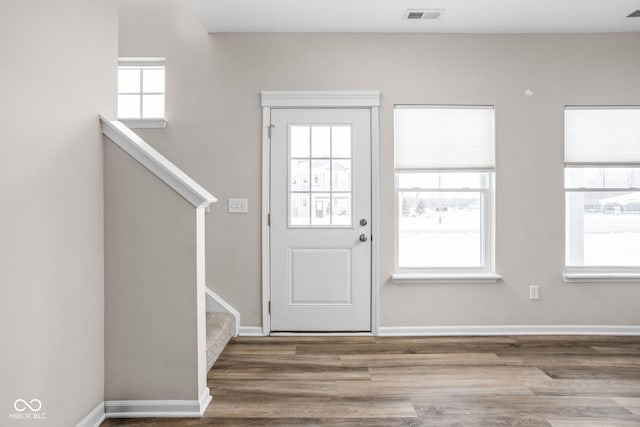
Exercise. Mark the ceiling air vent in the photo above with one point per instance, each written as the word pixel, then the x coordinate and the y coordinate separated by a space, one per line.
pixel 635 14
pixel 415 15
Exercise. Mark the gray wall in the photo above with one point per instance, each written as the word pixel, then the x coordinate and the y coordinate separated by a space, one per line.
pixel 57 73
pixel 151 341
pixel 214 134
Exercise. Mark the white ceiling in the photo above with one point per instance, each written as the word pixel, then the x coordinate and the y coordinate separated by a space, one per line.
pixel 387 16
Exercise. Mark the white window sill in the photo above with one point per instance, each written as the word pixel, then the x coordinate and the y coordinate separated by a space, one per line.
pixel 603 277
pixel 144 123
pixel 423 278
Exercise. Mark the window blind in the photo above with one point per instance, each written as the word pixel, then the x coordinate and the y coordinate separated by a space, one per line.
pixel 603 136
pixel 442 137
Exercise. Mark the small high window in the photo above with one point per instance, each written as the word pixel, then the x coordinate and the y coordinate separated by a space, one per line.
pixel 141 92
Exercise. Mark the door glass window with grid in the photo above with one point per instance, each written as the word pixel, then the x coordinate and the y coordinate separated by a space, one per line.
pixel 444 182
pixel 602 187
pixel 320 175
pixel 141 90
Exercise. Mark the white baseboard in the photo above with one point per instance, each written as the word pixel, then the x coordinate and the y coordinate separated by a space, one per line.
pixel 93 418
pixel 509 330
pixel 488 330
pixel 158 408
pixel 321 334
pixel 146 408
pixel 251 331
pixel 205 399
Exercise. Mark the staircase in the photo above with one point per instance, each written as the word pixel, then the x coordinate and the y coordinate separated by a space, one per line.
pixel 220 329
pixel 128 195
pixel 223 323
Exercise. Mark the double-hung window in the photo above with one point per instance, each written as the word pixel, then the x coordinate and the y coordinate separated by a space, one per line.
pixel 602 189
pixel 444 166
pixel 141 92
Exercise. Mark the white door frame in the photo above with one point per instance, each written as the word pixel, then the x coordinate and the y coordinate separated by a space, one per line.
pixel 311 99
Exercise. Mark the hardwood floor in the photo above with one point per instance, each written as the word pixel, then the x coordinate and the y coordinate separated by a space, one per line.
pixel 553 381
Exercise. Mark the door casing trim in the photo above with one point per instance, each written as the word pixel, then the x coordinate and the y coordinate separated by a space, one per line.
pixel 320 99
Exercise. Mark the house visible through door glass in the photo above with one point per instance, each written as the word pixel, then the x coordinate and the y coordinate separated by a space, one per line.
pixel 320 189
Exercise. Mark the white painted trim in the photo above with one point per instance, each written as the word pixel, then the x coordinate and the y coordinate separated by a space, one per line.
pixel 497 330
pixel 252 331
pixel 423 278
pixel 201 299
pixel 144 123
pixel 158 408
pixel 601 277
pixel 204 400
pixel 215 304
pixel 141 61
pixel 320 99
pixel 93 418
pixel 126 139
pixel 321 334
pixel 266 209
pixel 375 219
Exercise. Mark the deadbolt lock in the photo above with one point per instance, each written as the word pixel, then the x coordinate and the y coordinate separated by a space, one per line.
pixel 363 222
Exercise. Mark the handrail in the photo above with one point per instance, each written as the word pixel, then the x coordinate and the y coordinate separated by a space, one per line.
pixel 175 178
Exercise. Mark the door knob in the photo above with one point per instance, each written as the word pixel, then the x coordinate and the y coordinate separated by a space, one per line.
pixel 363 237
pixel 363 222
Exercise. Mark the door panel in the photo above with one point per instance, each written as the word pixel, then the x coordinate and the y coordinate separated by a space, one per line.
pixel 320 190
pixel 311 283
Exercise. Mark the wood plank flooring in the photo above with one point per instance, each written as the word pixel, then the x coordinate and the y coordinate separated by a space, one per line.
pixel 552 381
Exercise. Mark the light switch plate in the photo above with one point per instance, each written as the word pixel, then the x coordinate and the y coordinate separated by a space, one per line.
pixel 238 205
pixel 534 292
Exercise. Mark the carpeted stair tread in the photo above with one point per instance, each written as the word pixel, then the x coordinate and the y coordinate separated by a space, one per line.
pixel 219 332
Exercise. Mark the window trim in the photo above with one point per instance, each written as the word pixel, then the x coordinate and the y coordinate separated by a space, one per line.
pixel 407 278
pixel 601 275
pixel 594 273
pixel 145 123
pixel 482 274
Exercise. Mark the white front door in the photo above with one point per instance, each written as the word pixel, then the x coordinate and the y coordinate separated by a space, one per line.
pixel 320 211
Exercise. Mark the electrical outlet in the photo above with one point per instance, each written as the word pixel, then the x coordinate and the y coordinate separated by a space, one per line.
pixel 534 292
